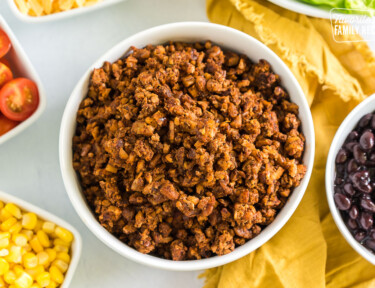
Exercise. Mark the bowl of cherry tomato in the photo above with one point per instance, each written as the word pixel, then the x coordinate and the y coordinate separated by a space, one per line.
pixel 22 98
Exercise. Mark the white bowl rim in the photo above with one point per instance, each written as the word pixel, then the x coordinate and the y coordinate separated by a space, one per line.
pixel 336 144
pixel 34 76
pixel 59 15
pixel 311 10
pixel 85 213
pixel 47 216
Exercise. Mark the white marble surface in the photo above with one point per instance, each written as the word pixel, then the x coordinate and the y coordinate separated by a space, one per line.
pixel 61 52
pixel 29 167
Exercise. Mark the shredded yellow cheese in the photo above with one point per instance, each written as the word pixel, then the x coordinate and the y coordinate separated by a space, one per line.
pixel 45 7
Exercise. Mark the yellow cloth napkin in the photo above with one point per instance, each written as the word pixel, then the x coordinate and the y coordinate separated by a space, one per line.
pixel 309 251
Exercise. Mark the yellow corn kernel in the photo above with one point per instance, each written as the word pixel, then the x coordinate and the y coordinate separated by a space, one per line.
pixel 4 235
pixel 4 252
pixel 35 245
pixel 1 204
pixel 4 215
pixel 61 248
pixel 29 221
pixel 33 272
pixel 14 210
pixel 10 277
pixel 43 258
pixel 62 265
pixel 18 269
pixel 49 227
pixel 24 281
pixel 51 254
pixel 43 279
pixel 28 233
pixel 4 266
pixel 30 260
pixel 52 284
pixel 14 254
pixel 2 283
pixel 58 241
pixel 63 256
pixel 35 285
pixel 16 228
pixel 43 238
pixel 64 234
pixel 38 226
pixel 4 243
pixel 26 248
pixel 56 274
pixel 19 240
pixel 7 224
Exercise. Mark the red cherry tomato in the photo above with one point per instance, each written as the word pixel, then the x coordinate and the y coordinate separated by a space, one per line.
pixel 5 74
pixel 6 124
pixel 19 98
pixel 5 61
pixel 4 43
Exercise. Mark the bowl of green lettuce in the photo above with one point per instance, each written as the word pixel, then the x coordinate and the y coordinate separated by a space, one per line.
pixel 323 8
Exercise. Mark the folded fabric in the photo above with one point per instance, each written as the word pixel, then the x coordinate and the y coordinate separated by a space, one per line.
pixel 309 251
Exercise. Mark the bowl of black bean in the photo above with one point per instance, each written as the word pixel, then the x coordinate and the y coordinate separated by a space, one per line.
pixel 350 178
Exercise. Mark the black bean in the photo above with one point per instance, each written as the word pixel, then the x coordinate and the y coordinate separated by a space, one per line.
pixel 342 156
pixel 338 190
pixel 372 233
pixel 369 243
pixel 359 236
pixel 365 196
pixel 342 201
pixel 372 157
pixel 362 175
pixel 365 121
pixel 339 181
pixel 367 140
pixel 348 188
pixel 349 146
pixel 373 122
pixel 359 155
pixel 353 212
pixel 366 220
pixel 360 180
pixel 352 166
pixel 363 187
pixel 368 205
pixel 340 170
pixel 352 224
pixel 352 136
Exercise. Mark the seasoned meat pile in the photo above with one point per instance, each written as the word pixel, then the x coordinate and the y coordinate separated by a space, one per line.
pixel 186 151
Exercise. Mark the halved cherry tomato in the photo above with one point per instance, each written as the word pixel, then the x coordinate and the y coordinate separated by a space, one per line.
pixel 4 43
pixel 6 124
pixel 5 74
pixel 19 98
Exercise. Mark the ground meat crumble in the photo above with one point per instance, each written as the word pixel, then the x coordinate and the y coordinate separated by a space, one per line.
pixel 186 151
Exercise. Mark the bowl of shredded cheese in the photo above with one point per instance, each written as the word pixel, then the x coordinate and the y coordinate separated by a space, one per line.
pixel 48 10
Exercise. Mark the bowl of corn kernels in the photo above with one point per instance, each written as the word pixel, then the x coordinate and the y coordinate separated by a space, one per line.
pixel 37 249
pixel 41 11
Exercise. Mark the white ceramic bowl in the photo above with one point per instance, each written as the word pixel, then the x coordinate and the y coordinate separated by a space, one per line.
pixel 189 32
pixel 60 15
pixel 308 9
pixel 76 244
pixel 21 66
pixel 366 106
